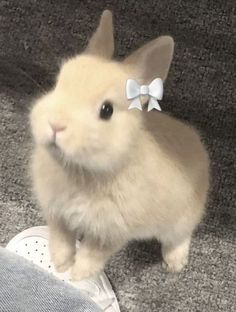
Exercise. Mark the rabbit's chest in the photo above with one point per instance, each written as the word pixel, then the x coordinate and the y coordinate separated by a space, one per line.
pixel 90 215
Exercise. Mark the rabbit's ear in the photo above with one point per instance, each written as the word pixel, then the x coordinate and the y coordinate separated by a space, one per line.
pixel 153 59
pixel 102 41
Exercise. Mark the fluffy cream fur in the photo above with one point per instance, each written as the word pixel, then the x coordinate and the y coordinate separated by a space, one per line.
pixel 138 175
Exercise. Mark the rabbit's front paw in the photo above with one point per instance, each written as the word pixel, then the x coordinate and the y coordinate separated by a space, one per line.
pixel 175 257
pixel 85 267
pixel 175 265
pixel 62 257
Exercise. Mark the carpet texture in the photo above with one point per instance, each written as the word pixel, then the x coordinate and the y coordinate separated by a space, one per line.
pixel 36 35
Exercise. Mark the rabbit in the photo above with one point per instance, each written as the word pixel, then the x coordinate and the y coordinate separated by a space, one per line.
pixel 108 174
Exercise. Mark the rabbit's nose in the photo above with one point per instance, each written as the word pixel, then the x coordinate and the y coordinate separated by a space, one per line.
pixel 56 127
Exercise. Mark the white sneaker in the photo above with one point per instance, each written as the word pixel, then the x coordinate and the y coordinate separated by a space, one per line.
pixel 32 244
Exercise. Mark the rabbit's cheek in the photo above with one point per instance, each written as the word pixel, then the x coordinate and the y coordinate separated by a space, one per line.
pixel 42 132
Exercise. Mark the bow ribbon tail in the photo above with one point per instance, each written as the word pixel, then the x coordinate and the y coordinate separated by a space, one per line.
pixel 153 104
pixel 136 104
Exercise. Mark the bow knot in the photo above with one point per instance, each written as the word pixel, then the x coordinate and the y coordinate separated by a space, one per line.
pixel 144 90
pixel 154 90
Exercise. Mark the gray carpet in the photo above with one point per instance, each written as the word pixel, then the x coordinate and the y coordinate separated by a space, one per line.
pixel 36 35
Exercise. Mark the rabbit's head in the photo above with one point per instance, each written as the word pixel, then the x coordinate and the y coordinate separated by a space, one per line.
pixel 85 118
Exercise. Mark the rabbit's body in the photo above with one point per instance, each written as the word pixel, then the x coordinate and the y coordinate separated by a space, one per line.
pixel 159 193
pixel 139 175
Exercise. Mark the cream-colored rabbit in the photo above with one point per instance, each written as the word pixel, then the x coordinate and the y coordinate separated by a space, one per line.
pixel 110 174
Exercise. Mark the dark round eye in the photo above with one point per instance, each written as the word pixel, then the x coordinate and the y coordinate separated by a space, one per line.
pixel 106 110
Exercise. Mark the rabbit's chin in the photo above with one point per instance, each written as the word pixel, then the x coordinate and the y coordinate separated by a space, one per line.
pixel 93 162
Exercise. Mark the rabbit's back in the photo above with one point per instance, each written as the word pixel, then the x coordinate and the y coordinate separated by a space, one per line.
pixel 180 141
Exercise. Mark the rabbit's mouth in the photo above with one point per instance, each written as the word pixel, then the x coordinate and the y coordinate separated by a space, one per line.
pixel 60 155
pixel 54 146
pixel 55 150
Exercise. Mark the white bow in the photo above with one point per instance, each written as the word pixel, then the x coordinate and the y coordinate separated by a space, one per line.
pixel 154 90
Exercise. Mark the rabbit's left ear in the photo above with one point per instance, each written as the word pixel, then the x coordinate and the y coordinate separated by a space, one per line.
pixel 102 41
pixel 152 60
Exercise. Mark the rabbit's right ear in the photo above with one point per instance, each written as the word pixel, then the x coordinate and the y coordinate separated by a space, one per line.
pixel 102 41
